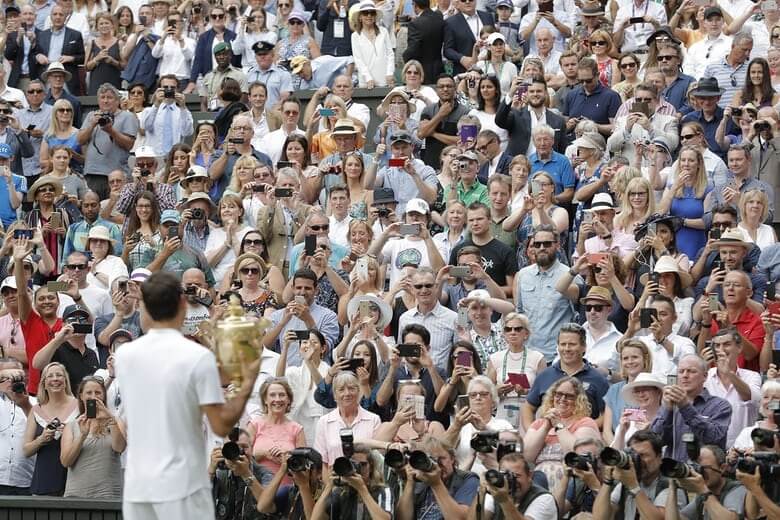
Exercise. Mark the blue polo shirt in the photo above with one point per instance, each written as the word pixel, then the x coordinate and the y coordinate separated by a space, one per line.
pixel 600 106
pixel 558 166
pixel 710 127
pixel 676 93
pixel 7 212
pixel 596 386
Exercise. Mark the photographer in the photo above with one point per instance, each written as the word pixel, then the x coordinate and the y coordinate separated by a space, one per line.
pixel 576 491
pixel 717 496
pixel 443 492
pixel 15 406
pixel 233 472
pixel 354 490
pixel 757 500
pixel 200 301
pixel 633 483
pixel 110 134
pixel 167 121
pixel 517 497
pixel 294 502
pixel 144 174
pixel 765 138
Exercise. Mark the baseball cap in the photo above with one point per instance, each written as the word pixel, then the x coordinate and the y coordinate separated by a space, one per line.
pixel 119 333
pixel 140 274
pixel 9 282
pixel 5 151
pixel 220 47
pixel 170 215
pixel 401 137
pixel 417 206
pixel 72 310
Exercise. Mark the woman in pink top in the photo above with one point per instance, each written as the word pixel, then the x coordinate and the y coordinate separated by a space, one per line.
pixel 564 417
pixel 273 433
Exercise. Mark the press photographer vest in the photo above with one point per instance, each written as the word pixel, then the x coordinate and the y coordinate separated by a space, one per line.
pixel 420 494
pixel 727 487
pixel 660 485
pixel 534 492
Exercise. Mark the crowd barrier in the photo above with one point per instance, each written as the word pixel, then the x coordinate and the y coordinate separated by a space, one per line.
pixel 57 508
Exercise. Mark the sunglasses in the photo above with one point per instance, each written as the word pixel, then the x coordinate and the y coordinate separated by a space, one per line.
pixel 35 91
pixel 686 137
pixel 249 270
pixel 597 308
pixel 666 57
pixel 323 227
pixel 423 285
pixel 628 65
pixel 598 42
pixel 513 329
pixel 76 267
pixel 294 22
pixel 217 16
pixel 46 189
pixel 65 110
pixel 636 194
pixel 643 100
pixel 543 244
pixel 258 242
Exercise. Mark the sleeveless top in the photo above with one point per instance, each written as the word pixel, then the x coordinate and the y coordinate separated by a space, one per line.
pixel 49 475
pixel 104 72
pixel 97 472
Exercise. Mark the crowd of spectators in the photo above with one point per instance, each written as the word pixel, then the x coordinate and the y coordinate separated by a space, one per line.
pixel 539 280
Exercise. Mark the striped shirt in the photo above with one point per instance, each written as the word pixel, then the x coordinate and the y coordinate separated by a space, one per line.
pixel 664 108
pixel 730 79
pixel 440 322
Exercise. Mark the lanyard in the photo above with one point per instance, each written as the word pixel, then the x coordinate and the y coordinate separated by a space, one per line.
pixel 506 358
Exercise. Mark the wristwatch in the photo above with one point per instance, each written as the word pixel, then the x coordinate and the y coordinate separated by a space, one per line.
pixel 634 491
pixel 559 426
pixel 248 480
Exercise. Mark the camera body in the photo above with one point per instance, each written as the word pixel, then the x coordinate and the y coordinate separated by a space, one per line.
pixel 502 479
pixel 169 92
pixel 54 424
pixel 17 385
pixel 396 459
pixel 764 438
pixel 299 460
pixel 421 461
pixel 576 461
pixel 344 467
pixel 105 118
pixel 198 214
pixel 347 442
pixel 622 459
pixel 383 212
pixel 671 468
pixel 485 441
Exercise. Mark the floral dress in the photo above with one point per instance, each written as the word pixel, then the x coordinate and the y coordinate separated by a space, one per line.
pixel 288 49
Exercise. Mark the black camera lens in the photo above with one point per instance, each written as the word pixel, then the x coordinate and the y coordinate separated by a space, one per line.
pixel 231 451
pixel 420 461
pixel 396 459
pixel 196 9
pixel 145 172
pixel 577 461
pixel 297 463
pixel 343 467
pixel 671 468
pixel 169 92
pixel 383 212
pixel 613 457
pixel 484 442
pixel 495 478
pixel 198 214
pixel 18 387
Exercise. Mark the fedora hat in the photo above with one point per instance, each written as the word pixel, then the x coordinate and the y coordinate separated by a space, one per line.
pixel 667 264
pixel 642 379
pixel 99 233
pixel 55 66
pixel 707 87
pixel 601 202
pixel 385 313
pixel 664 30
pixel 195 172
pixel 43 181
pixel 344 127
pixel 732 237
pixel 598 294
pixel 199 195
pixel 674 223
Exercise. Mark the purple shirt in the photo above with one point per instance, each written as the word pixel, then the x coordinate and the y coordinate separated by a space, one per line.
pixel 708 418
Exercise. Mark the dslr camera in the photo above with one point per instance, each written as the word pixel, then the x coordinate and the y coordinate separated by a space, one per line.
pixel 169 92
pixel 762 126
pixel 17 385
pixel 764 438
pixel 671 468
pixel 421 461
pixel 105 118
pixel 383 212
pixel 197 214
pixel 396 459
pixel 576 461
pixel 501 479
pixel 622 459
pixel 299 460
pixel 485 441
pixel 344 467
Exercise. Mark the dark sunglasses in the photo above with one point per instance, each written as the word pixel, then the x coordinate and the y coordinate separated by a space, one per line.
pixel 294 21
pixel 323 227
pixel 597 308
pixel 46 189
pixel 643 100
pixel 65 110
pixel 686 137
pixel 76 267
pixel 217 16
pixel 258 242
pixel 544 244
pixel 513 329
pixel 598 42
pixel 249 270
pixel 666 57
pixel 35 91
pixel 423 285
pixel 628 65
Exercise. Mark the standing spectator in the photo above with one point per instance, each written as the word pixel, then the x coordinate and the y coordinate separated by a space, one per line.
pixel 439 121
pixel 461 33
pixel 13 187
pixel 425 39
pixel 213 86
pixel 61 44
pixel 167 121
pixel 372 49
pixel 415 180
pixel 203 62
pixel 103 61
pixel 277 81
pixel 591 100
pixel 15 408
pixel 141 68
pixel 76 238
pixel 631 36
pixel 56 76
pixel 36 119
pixel 551 17
pixel 711 48
pixel 16 137
pixel 732 71
pixel 108 135
pixel 333 23
pixel 175 50
pixel 676 89
pixel 254 27
pixel 19 46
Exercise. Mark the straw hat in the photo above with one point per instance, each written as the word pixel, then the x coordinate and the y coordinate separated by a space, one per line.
pixel 44 181
pixel 99 233
pixel 642 379
pixel 667 264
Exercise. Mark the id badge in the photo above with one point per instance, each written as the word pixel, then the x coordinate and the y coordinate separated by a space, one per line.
pixel 338 29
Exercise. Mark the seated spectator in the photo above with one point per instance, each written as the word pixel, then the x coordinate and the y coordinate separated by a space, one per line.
pixel 423 177
pixel 770 391
pixel 635 358
pixel 91 446
pixel 672 283
pixel 172 254
pixel 220 251
pixel 643 396
pixel 105 266
pixel 754 211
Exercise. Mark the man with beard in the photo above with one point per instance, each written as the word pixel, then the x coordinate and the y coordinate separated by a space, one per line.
pixel 76 238
pixel 677 83
pixel 520 115
pixel 535 294
pixel 439 121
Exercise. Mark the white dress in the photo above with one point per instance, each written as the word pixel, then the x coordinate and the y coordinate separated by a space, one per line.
pixel 375 60
pixel 215 241
pixel 305 410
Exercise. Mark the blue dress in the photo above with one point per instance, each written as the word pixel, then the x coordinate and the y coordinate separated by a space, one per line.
pixel 71 142
pixel 690 241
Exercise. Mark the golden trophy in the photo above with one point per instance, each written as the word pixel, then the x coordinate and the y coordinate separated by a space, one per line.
pixel 238 340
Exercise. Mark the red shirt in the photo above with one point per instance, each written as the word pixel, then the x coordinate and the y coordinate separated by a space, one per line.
pixel 36 335
pixel 749 325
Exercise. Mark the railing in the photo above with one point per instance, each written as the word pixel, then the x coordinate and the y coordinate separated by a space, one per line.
pixel 56 508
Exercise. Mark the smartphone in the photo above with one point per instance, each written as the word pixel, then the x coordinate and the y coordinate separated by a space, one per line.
pixel 546 7
pixel 283 193
pixel 636 414
pixel 23 233
pixel 636 19
pixel 355 363
pixel 258 188
pixel 364 309
pixel 596 258
pixel 708 345
pixel 646 315
pixel 409 350
pixel 327 112
pixel 460 271
pixel 283 164
pixel 462 402
pixel 236 140
pixel 409 229
pixel 522 89
pixel 518 379
pixel 300 300
pixel 91 408
pixel 396 162
pixel 641 107
pixel 310 245
pixel 81 328
pixel 122 286
pixel 171 23
pixel 173 232
pixel 587 217
pixel 56 286
pixel 55 220
pixel 715 233
pixel 651 229
pixel 536 189
pixel 418 402
pixel 773 307
pixel 301 334
pixel 771 290
pixel 671 379
pixel 463 317
pixel 713 303
pixel 361 268
pixel 468 133
pixel 463 359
